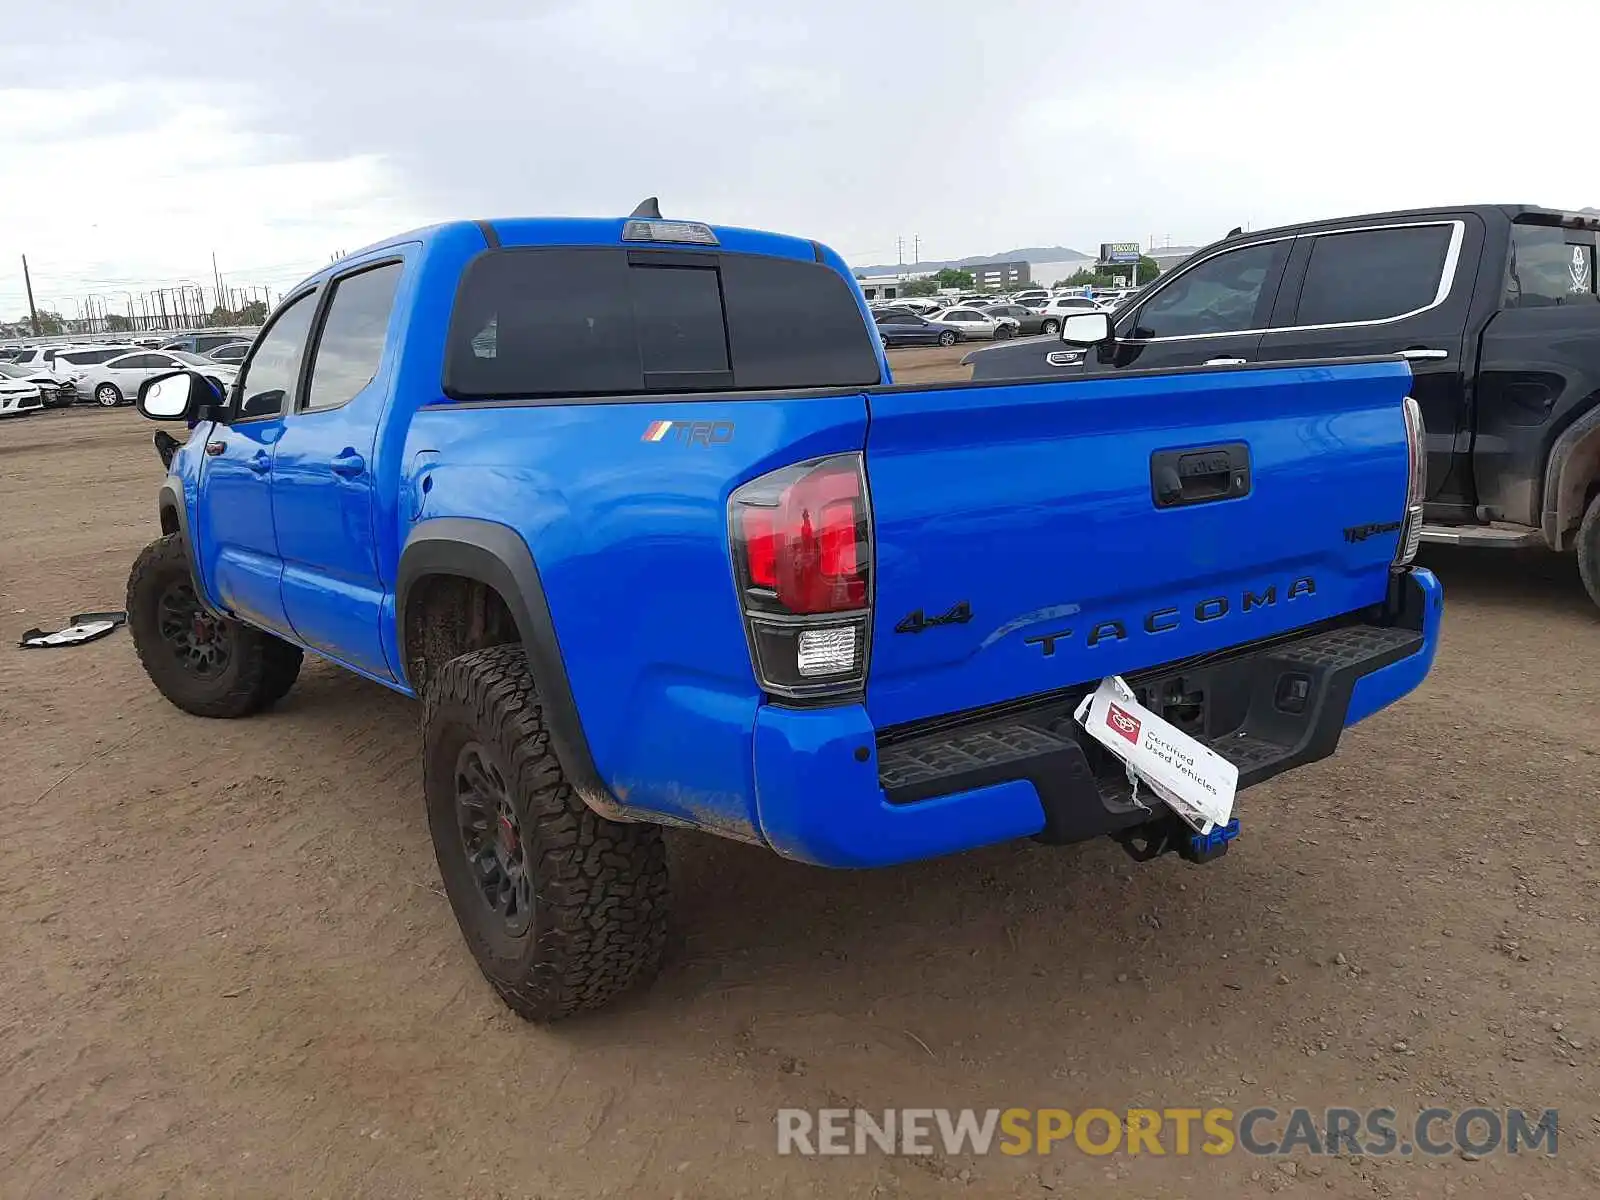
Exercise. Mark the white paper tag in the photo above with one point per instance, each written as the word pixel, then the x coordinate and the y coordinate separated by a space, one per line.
pixel 1192 779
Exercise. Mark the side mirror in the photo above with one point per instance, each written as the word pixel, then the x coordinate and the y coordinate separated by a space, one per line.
pixel 166 397
pixel 1086 329
pixel 177 396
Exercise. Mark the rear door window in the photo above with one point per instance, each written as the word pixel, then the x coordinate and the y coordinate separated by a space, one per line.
pixel 1549 265
pixel 350 346
pixel 631 321
pixel 1373 274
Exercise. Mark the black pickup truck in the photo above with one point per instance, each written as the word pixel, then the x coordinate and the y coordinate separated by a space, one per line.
pixel 1494 305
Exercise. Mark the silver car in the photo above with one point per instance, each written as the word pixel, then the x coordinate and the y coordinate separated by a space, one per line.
pixel 117 380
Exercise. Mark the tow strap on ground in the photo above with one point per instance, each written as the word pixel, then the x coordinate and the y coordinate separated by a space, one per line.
pixel 85 627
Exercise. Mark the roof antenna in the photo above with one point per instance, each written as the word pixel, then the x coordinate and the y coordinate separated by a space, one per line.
pixel 1235 231
pixel 649 209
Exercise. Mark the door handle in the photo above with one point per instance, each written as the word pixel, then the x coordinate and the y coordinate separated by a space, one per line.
pixel 259 462
pixel 1200 476
pixel 1224 362
pixel 348 464
pixel 1424 352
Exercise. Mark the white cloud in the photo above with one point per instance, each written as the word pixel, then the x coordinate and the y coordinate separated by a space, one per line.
pixel 131 188
pixel 321 125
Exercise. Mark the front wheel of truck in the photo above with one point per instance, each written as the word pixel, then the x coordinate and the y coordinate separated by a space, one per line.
pixel 206 664
pixel 1589 549
pixel 561 908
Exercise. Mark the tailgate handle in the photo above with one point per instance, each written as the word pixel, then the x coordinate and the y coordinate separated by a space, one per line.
pixel 1199 475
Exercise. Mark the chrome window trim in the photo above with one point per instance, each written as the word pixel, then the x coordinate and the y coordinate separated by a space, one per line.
pixel 1447 277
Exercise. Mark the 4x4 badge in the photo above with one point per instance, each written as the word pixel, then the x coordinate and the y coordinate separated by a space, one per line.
pixel 918 621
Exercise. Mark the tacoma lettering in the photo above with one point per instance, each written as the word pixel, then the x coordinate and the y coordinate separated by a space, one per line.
pixel 1165 620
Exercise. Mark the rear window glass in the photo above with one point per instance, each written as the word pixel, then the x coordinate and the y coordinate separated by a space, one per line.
pixel 1373 275
pixel 586 322
pixel 1549 265
pixel 86 358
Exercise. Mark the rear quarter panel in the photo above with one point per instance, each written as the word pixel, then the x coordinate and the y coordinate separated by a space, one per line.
pixel 630 538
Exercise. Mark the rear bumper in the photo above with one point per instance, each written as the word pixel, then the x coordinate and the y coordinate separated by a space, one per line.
pixel 833 790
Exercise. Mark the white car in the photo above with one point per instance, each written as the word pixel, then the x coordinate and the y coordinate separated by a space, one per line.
pixel 68 363
pixel 975 325
pixel 18 396
pixel 116 381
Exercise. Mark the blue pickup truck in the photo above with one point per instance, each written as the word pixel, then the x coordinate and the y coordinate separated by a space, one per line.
pixel 637 511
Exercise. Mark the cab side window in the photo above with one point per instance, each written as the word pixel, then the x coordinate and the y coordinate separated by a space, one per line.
pixel 1225 294
pixel 267 386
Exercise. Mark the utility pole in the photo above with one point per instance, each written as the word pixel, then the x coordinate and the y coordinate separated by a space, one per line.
pixel 916 248
pixel 900 250
pixel 33 313
pixel 216 277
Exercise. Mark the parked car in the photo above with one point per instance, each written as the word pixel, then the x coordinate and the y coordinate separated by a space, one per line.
pixel 851 622
pixel 906 328
pixel 199 343
pixel 117 380
pixel 69 364
pixel 1494 306
pixel 975 324
pixel 1029 320
pixel 37 356
pixel 55 393
pixel 232 353
pixel 19 396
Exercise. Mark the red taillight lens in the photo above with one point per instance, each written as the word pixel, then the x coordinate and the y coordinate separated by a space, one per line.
pixel 760 546
pixel 801 549
pixel 819 526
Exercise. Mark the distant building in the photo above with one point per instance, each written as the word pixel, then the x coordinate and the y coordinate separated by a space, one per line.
pixel 880 287
pixel 1005 276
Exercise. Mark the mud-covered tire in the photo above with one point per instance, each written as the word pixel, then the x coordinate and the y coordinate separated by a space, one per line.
pixel 1589 549
pixel 252 670
pixel 594 921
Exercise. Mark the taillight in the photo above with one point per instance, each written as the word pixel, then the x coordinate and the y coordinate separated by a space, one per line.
pixel 1416 485
pixel 802 555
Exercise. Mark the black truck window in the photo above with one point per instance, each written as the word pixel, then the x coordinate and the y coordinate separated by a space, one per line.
pixel 1549 265
pixel 1373 274
pixel 1220 295
pixel 548 322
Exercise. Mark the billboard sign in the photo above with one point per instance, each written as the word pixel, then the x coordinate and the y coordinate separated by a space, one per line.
pixel 1119 252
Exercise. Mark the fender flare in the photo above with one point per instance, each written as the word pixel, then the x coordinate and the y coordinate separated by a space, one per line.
pixel 496 555
pixel 170 499
pixel 1574 463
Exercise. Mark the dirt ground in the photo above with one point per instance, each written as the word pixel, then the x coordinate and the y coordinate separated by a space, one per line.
pixel 227 967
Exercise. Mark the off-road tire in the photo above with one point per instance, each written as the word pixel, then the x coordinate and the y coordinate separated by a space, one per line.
pixel 1589 549
pixel 260 669
pixel 599 888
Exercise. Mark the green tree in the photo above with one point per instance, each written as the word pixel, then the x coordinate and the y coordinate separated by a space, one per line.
pixel 117 323
pixel 1111 276
pixel 222 316
pixel 254 313
pixel 951 277
pixel 919 287
pixel 51 323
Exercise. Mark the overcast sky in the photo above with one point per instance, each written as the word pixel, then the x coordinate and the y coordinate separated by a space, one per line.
pixel 136 139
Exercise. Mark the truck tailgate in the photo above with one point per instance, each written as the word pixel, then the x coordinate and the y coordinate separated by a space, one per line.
pixel 1021 547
